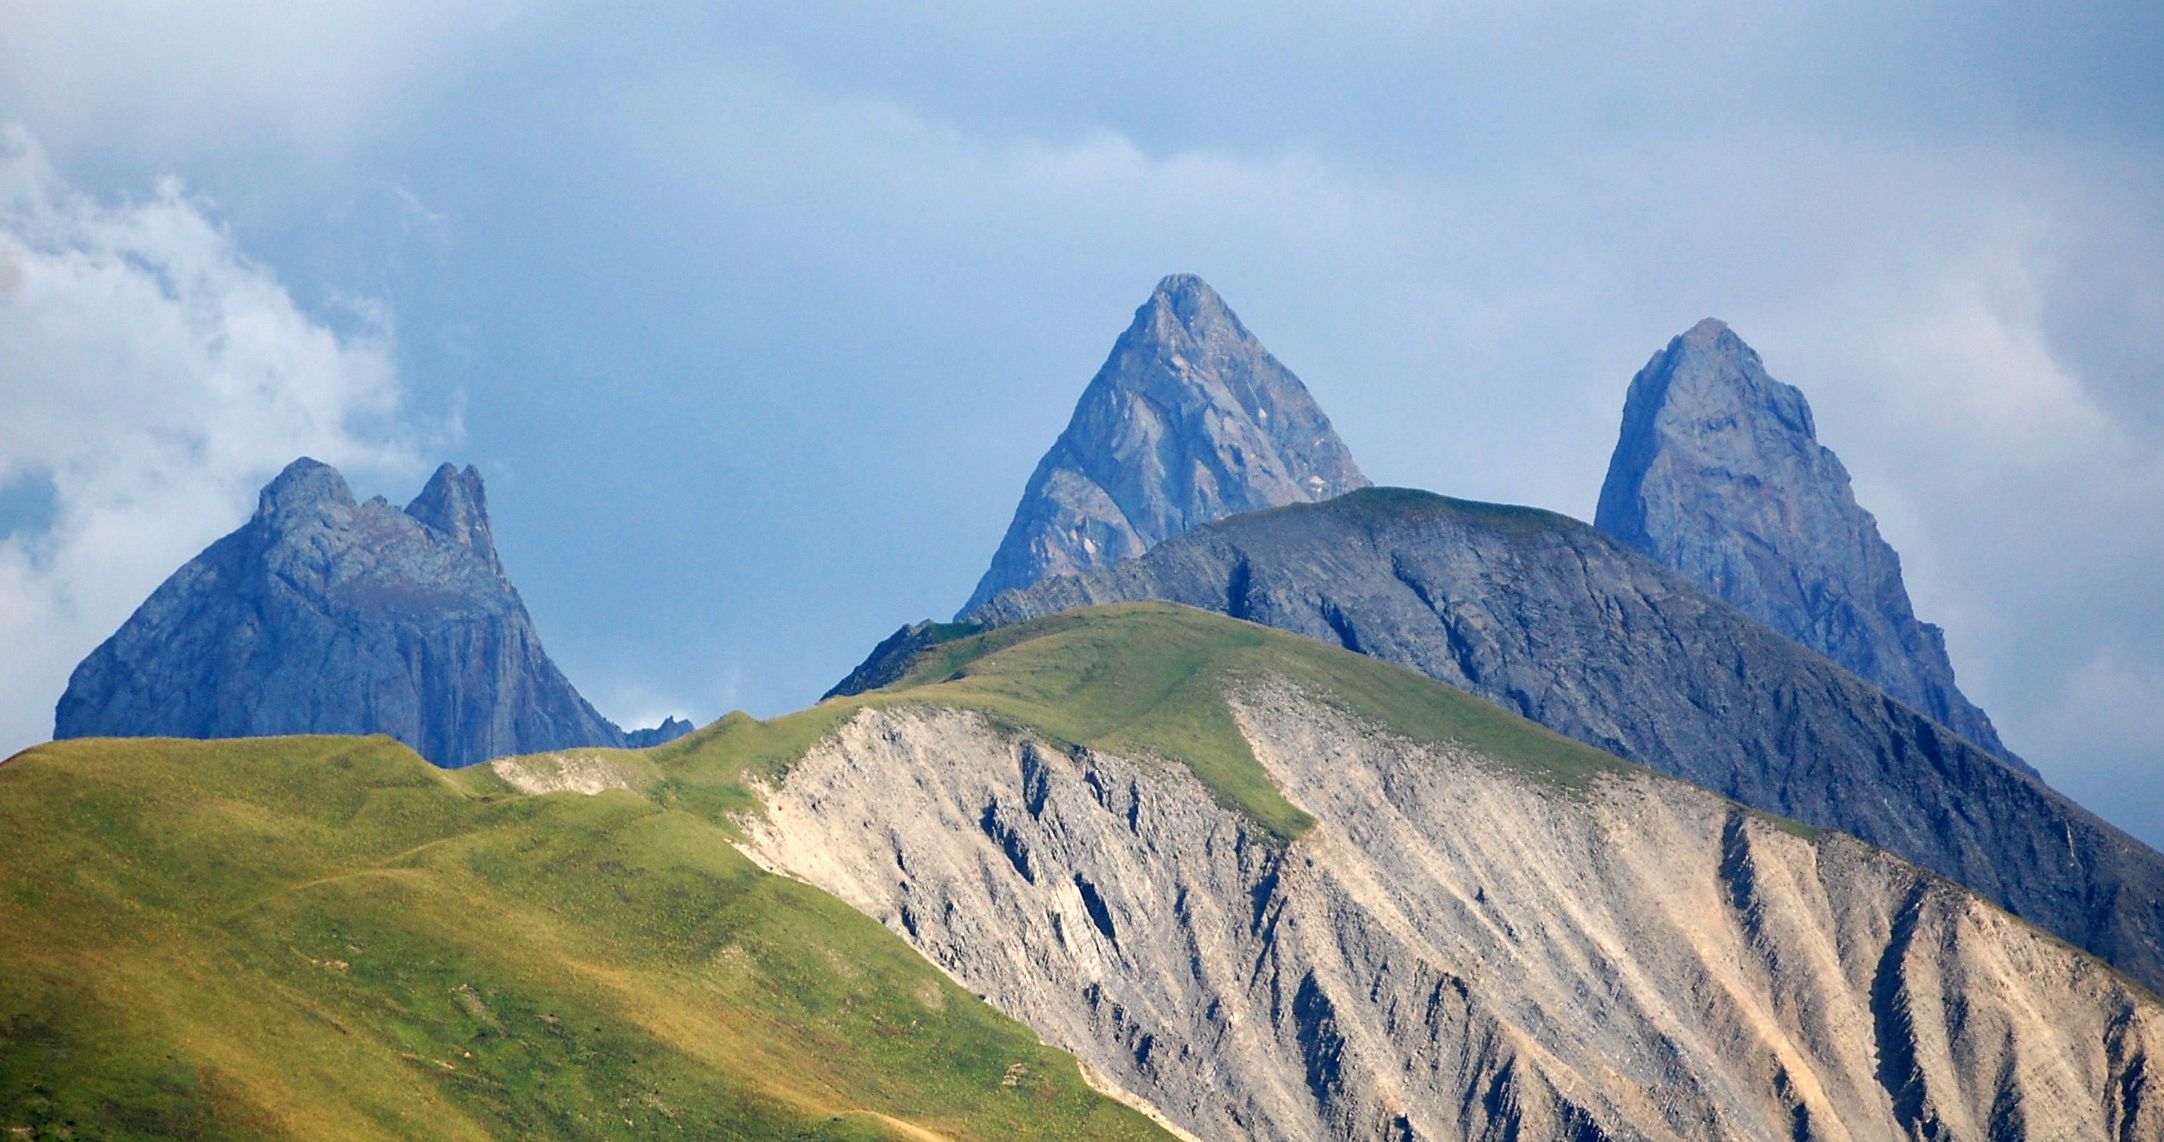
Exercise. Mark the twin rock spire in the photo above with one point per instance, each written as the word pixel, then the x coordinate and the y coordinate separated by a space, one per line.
pixel 324 615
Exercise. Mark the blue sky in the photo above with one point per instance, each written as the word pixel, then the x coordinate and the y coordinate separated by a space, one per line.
pixel 757 320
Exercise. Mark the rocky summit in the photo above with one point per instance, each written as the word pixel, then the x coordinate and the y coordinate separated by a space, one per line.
pixel 323 615
pixel 1719 474
pixel 1190 420
pixel 1555 621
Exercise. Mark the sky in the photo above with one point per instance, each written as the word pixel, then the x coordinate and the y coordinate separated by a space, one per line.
pixel 755 321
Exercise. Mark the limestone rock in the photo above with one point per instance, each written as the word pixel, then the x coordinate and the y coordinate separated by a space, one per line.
pixel 323 615
pixel 1190 420
pixel 1718 473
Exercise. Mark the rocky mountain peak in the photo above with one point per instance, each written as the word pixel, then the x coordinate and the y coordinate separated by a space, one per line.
pixel 1189 420
pixel 1713 330
pixel 305 486
pixel 1188 302
pixel 1708 373
pixel 322 615
pixel 1719 474
pixel 455 504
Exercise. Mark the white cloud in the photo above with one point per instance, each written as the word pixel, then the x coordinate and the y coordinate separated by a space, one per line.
pixel 154 378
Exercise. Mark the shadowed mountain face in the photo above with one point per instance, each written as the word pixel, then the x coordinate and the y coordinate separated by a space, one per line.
pixel 1190 420
pixel 322 615
pixel 1719 474
pixel 1553 620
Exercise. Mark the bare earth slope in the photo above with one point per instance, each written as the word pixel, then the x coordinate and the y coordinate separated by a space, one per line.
pixel 1483 930
pixel 1190 420
pixel 1555 621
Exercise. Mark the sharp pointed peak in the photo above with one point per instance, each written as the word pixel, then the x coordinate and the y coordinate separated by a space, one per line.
pixel 1712 335
pixel 1708 329
pixel 455 502
pixel 450 480
pixel 306 482
pixel 1186 287
pixel 1185 305
pixel 1190 297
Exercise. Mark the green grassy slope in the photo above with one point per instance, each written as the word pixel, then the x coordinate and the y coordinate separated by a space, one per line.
pixel 327 937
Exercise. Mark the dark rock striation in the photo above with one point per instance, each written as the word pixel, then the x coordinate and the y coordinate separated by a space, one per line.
pixel 1556 621
pixel 323 615
pixel 1190 420
pixel 1718 473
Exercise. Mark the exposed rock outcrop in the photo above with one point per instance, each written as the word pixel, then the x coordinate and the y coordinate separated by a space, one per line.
pixel 1549 618
pixel 1455 950
pixel 1718 473
pixel 323 615
pixel 670 729
pixel 1190 420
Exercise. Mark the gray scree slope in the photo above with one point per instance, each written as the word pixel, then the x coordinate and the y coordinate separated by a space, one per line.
pixel 1550 619
pixel 1190 420
pixel 322 615
pixel 1718 473
pixel 1454 951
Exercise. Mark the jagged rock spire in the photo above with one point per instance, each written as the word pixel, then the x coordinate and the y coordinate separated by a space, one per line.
pixel 1718 473
pixel 1189 421
pixel 456 504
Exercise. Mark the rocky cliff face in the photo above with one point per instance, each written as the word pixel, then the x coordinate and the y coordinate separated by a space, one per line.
pixel 1190 420
pixel 1719 474
pixel 323 615
pixel 1455 950
pixel 1555 621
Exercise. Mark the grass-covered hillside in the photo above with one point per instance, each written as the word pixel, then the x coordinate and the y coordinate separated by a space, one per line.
pixel 330 938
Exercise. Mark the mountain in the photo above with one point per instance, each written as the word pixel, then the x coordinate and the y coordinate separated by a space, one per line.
pixel 1281 891
pixel 1190 420
pixel 1718 473
pixel 1261 887
pixel 323 615
pixel 322 937
pixel 1553 620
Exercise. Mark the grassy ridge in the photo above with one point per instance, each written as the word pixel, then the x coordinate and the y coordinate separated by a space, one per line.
pixel 1140 678
pixel 327 937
